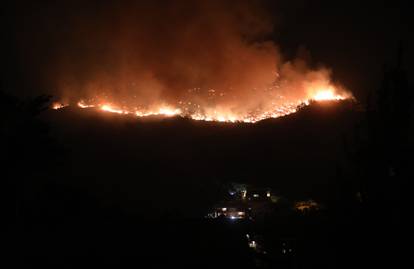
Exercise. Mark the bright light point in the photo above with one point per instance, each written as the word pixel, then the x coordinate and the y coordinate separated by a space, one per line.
pixel 224 209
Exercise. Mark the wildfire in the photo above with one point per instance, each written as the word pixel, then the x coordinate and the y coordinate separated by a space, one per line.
pixel 219 114
pixel 238 74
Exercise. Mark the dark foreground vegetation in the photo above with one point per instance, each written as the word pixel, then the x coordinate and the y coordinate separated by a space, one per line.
pixel 81 193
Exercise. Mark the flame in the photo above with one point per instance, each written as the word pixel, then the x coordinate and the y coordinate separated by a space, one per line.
pixel 166 111
pixel 109 108
pixel 218 113
pixel 58 105
pixel 327 95
pixel 221 114
pixel 82 104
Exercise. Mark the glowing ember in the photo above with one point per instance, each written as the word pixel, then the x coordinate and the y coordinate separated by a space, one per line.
pixel 306 205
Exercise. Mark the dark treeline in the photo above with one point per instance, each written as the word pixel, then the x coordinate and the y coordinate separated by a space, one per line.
pixel 372 216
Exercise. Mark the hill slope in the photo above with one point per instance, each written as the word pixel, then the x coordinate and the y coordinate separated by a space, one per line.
pixel 178 161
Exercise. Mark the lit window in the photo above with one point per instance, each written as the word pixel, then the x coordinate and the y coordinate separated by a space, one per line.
pixel 252 244
pixel 255 195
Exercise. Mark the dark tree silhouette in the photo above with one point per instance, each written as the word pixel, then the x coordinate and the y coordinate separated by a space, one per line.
pixel 380 167
pixel 27 153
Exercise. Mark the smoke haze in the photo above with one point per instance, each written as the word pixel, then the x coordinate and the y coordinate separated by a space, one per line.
pixel 207 54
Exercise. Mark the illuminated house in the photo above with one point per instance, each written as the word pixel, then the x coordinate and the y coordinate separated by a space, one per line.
pixel 249 193
pixel 257 194
pixel 245 202
pixel 230 211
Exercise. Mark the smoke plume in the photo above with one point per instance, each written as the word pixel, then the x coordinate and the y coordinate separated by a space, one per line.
pixel 208 55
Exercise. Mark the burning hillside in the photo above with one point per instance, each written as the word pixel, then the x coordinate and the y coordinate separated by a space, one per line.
pixel 208 60
pixel 222 114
